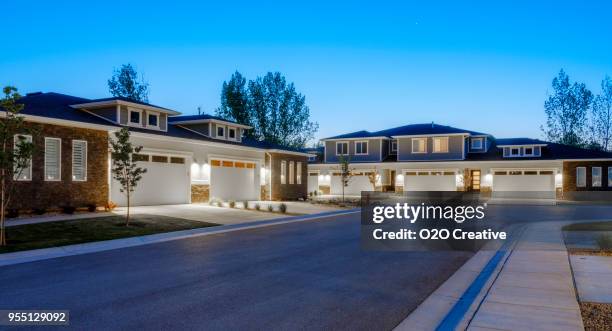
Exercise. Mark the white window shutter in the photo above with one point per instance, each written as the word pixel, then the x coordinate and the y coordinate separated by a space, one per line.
pixel 79 160
pixel 26 173
pixel 52 158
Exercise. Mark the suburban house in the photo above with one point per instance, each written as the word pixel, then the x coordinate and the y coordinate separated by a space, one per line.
pixel 188 158
pixel 433 157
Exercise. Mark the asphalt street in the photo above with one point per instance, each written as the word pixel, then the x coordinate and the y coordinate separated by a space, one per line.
pixel 310 274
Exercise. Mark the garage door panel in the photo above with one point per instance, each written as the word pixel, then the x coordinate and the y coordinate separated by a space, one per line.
pixel 233 181
pixel 523 183
pixel 430 183
pixel 355 186
pixel 163 183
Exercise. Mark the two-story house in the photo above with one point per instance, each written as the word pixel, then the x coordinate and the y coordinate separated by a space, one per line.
pixel 433 157
pixel 188 158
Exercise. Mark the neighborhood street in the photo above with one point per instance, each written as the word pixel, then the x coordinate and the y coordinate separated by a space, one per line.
pixel 311 274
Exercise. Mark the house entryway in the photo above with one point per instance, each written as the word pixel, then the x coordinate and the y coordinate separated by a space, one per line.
pixel 475 183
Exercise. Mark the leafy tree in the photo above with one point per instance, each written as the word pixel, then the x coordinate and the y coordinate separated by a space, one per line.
pixel 601 116
pixel 15 156
pixel 566 110
pixel 234 100
pixel 124 168
pixel 277 112
pixel 373 177
pixel 125 83
pixel 345 172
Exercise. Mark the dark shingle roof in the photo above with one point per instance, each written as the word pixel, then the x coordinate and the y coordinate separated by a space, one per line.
pixel 552 151
pixel 520 141
pixel 356 134
pixel 128 100
pixel 408 130
pixel 197 117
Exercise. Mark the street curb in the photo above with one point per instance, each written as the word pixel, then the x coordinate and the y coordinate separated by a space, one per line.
pixel 7 259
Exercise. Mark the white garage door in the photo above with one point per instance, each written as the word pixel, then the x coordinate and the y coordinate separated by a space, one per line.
pixel 429 181
pixel 233 180
pixel 523 181
pixel 313 181
pixel 357 183
pixel 166 182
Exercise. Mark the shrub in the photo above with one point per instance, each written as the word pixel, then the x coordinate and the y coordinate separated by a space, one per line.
pixel 92 207
pixel 232 204
pixel 110 206
pixel 68 209
pixel 315 193
pixel 12 213
pixel 219 203
pixel 270 208
pixel 39 210
pixel 257 206
pixel 604 242
pixel 283 208
pixel 245 204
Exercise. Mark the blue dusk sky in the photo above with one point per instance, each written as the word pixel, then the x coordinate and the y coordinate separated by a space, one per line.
pixel 484 66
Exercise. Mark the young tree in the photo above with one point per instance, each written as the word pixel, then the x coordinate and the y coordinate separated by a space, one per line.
pixel 234 100
pixel 16 150
pixel 566 110
pixel 601 116
pixel 125 83
pixel 373 178
pixel 345 172
pixel 124 168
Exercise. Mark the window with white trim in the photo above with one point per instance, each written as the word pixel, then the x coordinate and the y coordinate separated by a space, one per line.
pixel 153 120
pixel 440 144
pixel 393 146
pixel 283 175
pixel 53 154
pixel 298 170
pixel 596 176
pixel 26 173
pixel 291 171
pixel 580 177
pixel 220 131
pixel 419 145
pixel 515 151
pixel 79 160
pixel 361 148
pixel 528 151
pixel 476 143
pixel 342 148
pixel 135 117
pixel 231 133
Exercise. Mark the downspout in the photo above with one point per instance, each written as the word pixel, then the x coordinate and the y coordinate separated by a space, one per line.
pixel 270 182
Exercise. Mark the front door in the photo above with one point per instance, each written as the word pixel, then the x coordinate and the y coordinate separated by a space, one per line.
pixel 476 180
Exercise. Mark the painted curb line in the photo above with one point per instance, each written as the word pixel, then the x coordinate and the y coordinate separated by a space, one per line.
pixel 7 259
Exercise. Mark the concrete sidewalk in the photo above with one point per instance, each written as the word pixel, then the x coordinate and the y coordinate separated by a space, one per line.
pixel 535 288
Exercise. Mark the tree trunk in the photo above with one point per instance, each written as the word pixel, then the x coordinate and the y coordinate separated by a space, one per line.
pixel 2 213
pixel 127 219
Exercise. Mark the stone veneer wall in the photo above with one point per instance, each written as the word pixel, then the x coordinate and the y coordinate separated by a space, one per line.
pixel 39 193
pixel 200 193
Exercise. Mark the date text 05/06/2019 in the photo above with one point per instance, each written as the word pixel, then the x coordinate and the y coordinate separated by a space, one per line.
pixel 438 234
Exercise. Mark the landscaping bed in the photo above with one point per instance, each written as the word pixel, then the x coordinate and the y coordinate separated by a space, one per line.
pixel 61 233
pixel 596 316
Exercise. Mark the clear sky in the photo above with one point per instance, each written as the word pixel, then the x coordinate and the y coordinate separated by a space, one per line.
pixel 484 66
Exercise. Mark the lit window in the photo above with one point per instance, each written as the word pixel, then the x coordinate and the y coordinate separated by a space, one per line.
pixel 361 148
pixel 291 171
pixel 53 152
pixel 79 160
pixel 299 173
pixel 440 144
pixel 134 117
pixel 596 176
pixel 153 120
pixel 25 173
pixel 283 178
pixel 220 131
pixel 342 148
pixel 580 176
pixel 477 143
pixel 418 145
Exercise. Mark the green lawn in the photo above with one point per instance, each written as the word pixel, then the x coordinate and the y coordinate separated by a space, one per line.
pixel 53 234
pixel 591 226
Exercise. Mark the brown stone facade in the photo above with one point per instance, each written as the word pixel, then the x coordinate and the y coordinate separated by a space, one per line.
pixel 38 193
pixel 287 191
pixel 200 193
pixel 589 192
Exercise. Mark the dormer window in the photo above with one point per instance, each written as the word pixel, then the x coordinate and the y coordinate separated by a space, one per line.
pixel 393 146
pixel 515 151
pixel 231 132
pixel 476 143
pixel 153 120
pixel 220 131
pixel 528 151
pixel 135 117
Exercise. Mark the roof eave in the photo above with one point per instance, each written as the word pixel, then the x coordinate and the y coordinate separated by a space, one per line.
pixel 210 120
pixel 106 103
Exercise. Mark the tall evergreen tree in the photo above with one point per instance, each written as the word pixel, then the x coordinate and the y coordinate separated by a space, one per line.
pixel 566 110
pixel 125 83
pixel 234 101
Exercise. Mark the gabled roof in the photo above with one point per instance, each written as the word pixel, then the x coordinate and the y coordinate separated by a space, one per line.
pixel 407 130
pixel 357 134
